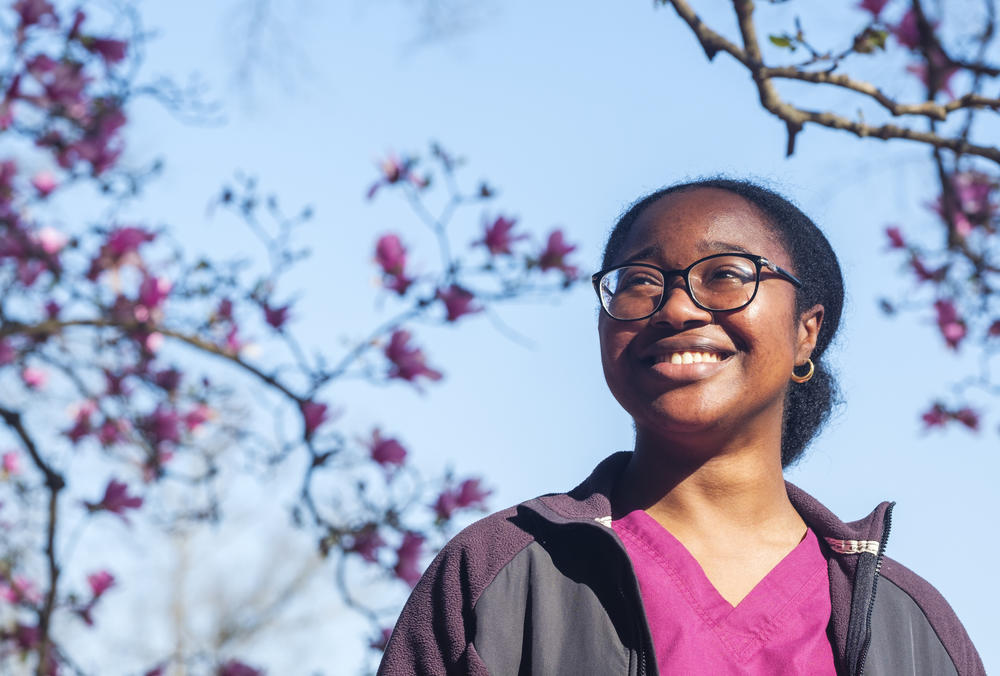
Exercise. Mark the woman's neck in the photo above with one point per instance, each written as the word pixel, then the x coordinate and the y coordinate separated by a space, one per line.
pixel 736 491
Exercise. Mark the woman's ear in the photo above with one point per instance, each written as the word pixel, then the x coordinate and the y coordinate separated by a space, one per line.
pixel 810 323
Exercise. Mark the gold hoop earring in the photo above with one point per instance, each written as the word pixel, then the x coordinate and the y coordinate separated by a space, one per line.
pixel 805 376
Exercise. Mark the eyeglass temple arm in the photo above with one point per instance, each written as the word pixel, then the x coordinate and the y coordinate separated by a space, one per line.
pixel 781 271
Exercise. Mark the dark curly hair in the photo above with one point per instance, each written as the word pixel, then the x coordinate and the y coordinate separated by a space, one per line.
pixel 808 405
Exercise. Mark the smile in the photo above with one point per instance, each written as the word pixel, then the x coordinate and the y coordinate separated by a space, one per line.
pixel 688 357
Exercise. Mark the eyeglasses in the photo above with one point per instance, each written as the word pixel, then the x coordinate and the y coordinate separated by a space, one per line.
pixel 725 281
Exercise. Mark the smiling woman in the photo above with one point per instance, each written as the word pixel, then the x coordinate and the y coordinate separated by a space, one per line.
pixel 691 554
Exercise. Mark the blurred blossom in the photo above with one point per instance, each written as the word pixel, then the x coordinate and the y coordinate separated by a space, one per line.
pixel 314 414
pixel 33 12
pixel 44 182
pixel 553 257
pixel 395 170
pixel 468 494
pixel 237 668
pixel 458 302
pixel 387 452
pixel 952 326
pixel 7 354
pixel 11 463
pixel 100 582
pixel 51 240
pixel 895 236
pixel 34 378
pixel 873 6
pixel 944 70
pixel 116 500
pixel 382 640
pixel 390 254
pixel 366 543
pixel 498 238
pixel 407 566
pixel 408 363
pixel 276 316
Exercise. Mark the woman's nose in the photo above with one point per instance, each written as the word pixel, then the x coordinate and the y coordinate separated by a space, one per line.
pixel 678 309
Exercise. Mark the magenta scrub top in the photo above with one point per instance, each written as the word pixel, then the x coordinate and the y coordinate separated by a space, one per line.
pixel 778 628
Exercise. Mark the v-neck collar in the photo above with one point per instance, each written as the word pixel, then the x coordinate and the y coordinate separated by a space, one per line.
pixel 747 627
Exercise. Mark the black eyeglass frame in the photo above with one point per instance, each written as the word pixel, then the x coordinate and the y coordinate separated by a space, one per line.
pixel 760 262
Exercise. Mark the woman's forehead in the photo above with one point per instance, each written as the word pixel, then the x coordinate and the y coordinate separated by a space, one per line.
pixel 701 222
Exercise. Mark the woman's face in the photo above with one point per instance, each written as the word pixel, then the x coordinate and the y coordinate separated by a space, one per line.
pixel 746 356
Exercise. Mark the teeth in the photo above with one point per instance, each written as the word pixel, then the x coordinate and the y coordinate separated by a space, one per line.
pixel 689 357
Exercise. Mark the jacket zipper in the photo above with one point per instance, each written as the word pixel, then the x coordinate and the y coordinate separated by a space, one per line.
pixel 887 526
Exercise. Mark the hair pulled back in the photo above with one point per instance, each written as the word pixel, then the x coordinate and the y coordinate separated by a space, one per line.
pixel 807 405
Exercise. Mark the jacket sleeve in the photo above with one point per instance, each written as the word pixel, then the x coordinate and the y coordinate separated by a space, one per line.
pixel 437 628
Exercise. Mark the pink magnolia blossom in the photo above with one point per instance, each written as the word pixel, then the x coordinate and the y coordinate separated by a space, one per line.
pixel 34 378
pixel 945 72
pixel 197 417
pixel 50 240
pixel 387 452
pixel 20 590
pixel 168 379
pixel 11 463
pixel 382 640
pixel 100 582
pixel 314 414
pixel 992 332
pixel 458 302
pixel 120 248
pixel 874 7
pixel 7 354
pixel 237 668
pixel 111 51
pixel 925 274
pixel 152 292
pixel 395 170
pixel 63 81
pixel 390 254
pixel 100 146
pixel 52 309
pixel 110 432
pixel 44 182
pixel 895 236
pixel 967 417
pixel 468 494
pixel 936 416
pixel 366 543
pixel 407 566
pixel 81 422
pixel 162 426
pixel 907 31
pixel 224 312
pixel 233 344
pixel 952 326
pixel 33 12
pixel 408 363
pixel 553 257
pixel 498 238
pixel 116 500
pixel 276 316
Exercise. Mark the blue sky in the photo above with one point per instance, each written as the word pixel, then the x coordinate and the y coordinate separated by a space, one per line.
pixel 573 110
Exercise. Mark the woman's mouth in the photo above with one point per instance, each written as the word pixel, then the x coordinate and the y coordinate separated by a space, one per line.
pixel 686 365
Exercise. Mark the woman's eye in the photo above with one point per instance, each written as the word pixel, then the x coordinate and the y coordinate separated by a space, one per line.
pixel 730 274
pixel 638 280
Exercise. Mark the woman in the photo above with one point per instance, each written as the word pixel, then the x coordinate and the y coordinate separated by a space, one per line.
pixel 691 554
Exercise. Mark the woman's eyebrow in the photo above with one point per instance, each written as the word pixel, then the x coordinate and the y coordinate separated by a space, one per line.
pixel 723 247
pixel 647 252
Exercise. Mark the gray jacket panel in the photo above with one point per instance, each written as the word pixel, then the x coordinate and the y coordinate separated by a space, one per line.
pixel 523 616
pixel 903 641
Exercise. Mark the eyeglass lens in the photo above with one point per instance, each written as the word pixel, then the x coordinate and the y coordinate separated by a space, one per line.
pixel 720 283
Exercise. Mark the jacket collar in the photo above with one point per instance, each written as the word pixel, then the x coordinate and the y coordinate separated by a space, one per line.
pixel 591 501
